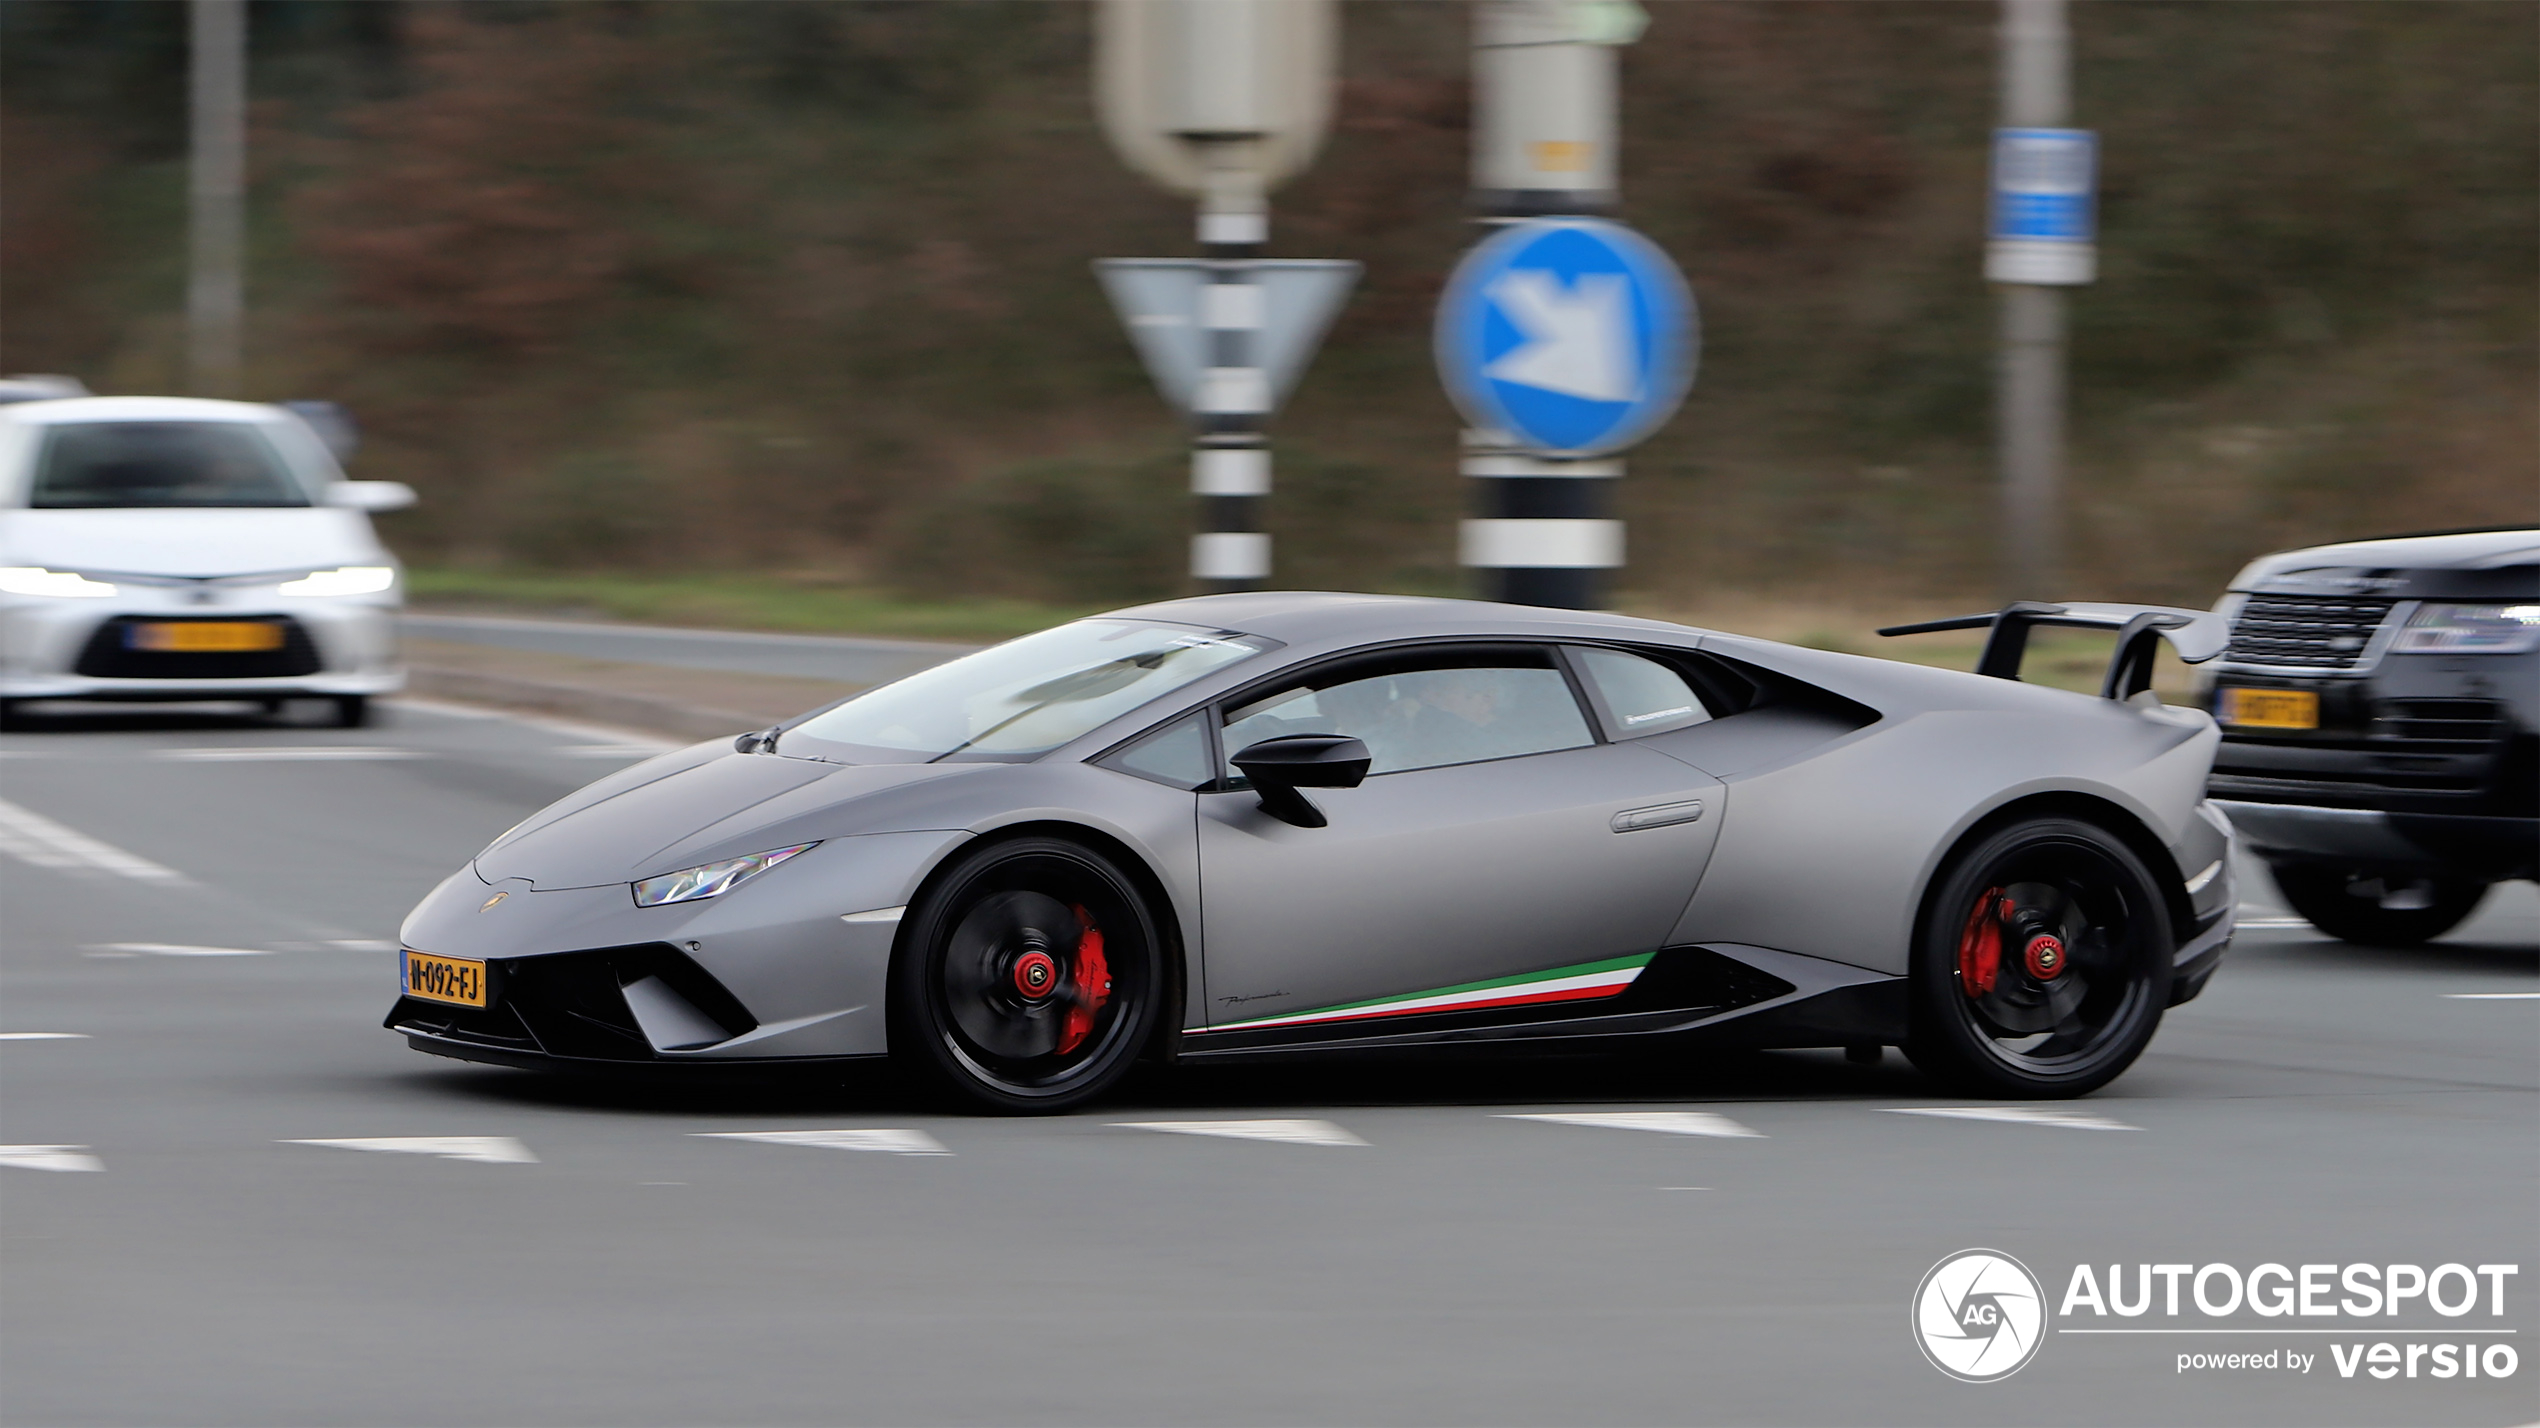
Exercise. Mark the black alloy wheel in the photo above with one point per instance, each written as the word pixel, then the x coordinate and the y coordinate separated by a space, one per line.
pixel 2375 908
pixel 2043 963
pixel 1028 978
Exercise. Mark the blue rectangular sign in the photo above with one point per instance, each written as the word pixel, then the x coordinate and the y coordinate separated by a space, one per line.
pixel 2044 185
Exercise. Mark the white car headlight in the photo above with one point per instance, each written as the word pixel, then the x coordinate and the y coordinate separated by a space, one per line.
pixel 36 580
pixel 2472 629
pixel 710 879
pixel 347 580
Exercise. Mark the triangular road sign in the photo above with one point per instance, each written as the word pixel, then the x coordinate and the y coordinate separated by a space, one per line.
pixel 1158 300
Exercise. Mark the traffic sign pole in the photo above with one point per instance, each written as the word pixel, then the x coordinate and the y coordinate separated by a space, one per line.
pixel 1542 529
pixel 216 188
pixel 1219 100
pixel 1230 460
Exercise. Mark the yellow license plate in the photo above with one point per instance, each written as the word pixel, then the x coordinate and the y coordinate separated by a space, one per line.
pixel 445 979
pixel 207 637
pixel 2271 708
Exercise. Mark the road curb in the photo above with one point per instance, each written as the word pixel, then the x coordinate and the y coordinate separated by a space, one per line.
pixel 633 711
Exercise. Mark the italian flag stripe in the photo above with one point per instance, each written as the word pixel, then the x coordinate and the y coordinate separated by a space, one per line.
pixel 1584 982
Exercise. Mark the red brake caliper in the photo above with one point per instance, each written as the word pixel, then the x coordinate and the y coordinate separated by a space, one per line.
pixel 1980 946
pixel 1089 989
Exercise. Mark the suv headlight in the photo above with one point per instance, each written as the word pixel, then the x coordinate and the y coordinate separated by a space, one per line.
pixel 710 879
pixel 2472 629
pixel 36 580
pixel 345 580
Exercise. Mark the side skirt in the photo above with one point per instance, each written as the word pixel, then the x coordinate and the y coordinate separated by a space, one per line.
pixel 1724 994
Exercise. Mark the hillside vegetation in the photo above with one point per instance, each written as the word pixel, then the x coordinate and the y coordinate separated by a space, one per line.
pixel 802 287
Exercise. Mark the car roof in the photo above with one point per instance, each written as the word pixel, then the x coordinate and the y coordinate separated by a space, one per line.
pixel 84 409
pixel 1309 617
pixel 2445 550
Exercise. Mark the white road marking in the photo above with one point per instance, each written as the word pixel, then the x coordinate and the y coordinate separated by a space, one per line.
pixel 895 1142
pixel 172 949
pixel 1287 1132
pixel 49 1157
pixel 2268 924
pixel 477 1149
pixel 2492 996
pixel 1663 1122
pixel 2018 1115
pixel 33 838
pixel 274 753
pixel 43 1036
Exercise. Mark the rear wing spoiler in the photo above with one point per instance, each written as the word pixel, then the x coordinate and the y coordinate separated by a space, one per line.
pixel 2197 635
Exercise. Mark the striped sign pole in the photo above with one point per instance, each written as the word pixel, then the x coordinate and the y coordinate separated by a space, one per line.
pixel 1230 459
pixel 1543 531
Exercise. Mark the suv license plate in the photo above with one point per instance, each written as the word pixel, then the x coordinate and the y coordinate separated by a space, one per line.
pixel 445 979
pixel 204 637
pixel 2271 708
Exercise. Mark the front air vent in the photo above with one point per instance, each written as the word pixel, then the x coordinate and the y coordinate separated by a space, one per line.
pixel 2304 631
pixel 2467 724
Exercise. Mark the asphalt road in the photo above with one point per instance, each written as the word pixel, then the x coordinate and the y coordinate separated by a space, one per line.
pixel 849 660
pixel 199 921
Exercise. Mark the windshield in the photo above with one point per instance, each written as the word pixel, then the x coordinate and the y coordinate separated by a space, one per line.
pixel 91 465
pixel 1026 696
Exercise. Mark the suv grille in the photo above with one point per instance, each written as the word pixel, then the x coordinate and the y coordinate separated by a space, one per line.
pixel 2305 632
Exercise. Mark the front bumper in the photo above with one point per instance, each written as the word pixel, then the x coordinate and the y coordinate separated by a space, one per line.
pixel 792 967
pixel 2481 846
pixel 68 649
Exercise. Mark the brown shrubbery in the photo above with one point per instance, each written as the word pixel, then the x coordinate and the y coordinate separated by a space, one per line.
pixel 803 285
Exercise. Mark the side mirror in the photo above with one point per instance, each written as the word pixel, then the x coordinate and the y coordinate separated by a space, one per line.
pixel 1279 767
pixel 372 496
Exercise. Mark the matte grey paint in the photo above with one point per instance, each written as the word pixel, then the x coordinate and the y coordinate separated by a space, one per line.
pixel 1431 877
pixel 1818 837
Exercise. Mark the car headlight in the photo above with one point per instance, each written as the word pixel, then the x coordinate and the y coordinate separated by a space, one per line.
pixel 2472 629
pixel 36 580
pixel 346 580
pixel 710 879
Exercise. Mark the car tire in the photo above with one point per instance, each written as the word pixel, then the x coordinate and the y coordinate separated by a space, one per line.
pixel 2042 964
pixel 352 711
pixel 1028 978
pixel 2324 896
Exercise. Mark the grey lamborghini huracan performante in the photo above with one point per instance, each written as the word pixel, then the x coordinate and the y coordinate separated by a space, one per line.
pixel 1271 825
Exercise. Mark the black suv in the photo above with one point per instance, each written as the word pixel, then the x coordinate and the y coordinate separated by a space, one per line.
pixel 2380 708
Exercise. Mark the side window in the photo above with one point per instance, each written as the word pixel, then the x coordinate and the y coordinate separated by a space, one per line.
pixel 1644 696
pixel 1175 755
pixel 1427 708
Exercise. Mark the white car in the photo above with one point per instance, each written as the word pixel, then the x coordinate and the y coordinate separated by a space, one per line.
pixel 170 548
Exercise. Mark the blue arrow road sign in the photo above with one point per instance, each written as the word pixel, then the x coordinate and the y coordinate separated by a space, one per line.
pixel 1568 336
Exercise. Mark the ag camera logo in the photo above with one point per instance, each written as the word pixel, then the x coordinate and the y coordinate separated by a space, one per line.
pixel 1979 1315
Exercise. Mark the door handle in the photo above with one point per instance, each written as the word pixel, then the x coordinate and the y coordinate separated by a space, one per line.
pixel 1632 820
